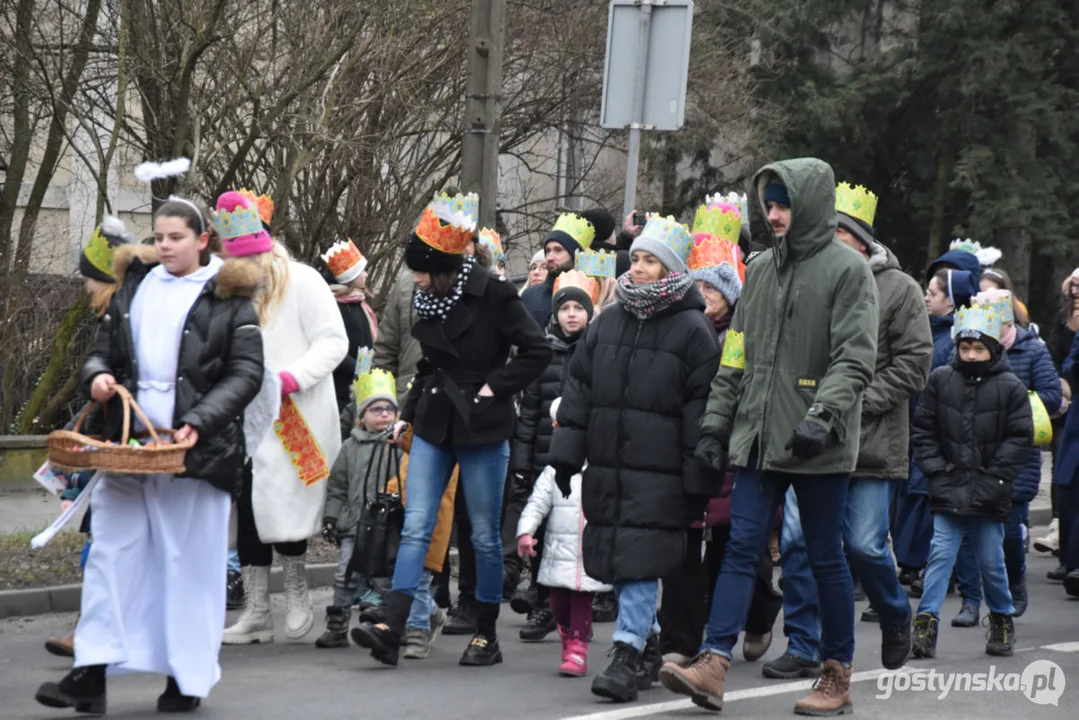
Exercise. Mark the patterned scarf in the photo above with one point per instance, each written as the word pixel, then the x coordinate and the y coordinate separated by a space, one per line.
pixel 433 307
pixel 644 301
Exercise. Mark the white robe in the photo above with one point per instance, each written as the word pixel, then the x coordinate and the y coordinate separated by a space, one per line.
pixel 153 596
pixel 305 337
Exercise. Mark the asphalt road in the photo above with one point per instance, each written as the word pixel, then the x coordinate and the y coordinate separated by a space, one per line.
pixel 290 681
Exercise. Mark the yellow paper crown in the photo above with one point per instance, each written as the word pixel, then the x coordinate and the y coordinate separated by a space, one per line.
pixel 102 246
pixel 577 279
pixel 375 384
pixel 857 202
pixel 263 202
pixel 719 220
pixel 577 227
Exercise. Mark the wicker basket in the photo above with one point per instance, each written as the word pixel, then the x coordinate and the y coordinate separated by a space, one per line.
pixel 72 449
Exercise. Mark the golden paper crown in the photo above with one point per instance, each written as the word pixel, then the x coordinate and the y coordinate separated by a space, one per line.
pixel 596 263
pixel 857 202
pixel 493 242
pixel 577 279
pixel 344 261
pixel 577 227
pixel 375 384
pixel 710 251
pixel 445 224
pixel 720 220
pixel 263 202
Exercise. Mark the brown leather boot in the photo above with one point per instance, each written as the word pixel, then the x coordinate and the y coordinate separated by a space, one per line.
pixel 831 693
pixel 64 647
pixel 702 679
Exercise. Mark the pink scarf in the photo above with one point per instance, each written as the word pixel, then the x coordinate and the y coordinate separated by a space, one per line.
pixel 1008 336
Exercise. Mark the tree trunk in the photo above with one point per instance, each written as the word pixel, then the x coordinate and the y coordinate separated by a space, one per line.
pixel 28 419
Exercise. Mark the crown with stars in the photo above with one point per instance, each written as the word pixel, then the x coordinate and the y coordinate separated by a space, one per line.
pixel 857 202
pixel 446 223
pixel 493 242
pixel 596 263
pixel 670 232
pixel 577 279
pixel 977 320
pixel 376 383
pixel 263 202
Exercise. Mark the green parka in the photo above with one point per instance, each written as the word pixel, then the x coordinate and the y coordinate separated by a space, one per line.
pixel 807 321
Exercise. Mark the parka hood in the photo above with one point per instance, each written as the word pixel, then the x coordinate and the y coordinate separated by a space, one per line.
pixel 810 185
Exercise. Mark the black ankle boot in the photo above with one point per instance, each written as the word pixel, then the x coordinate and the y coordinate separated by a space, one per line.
pixel 651 662
pixel 484 650
pixel 619 681
pixel 173 701
pixel 384 638
pixel 83 689
pixel 336 635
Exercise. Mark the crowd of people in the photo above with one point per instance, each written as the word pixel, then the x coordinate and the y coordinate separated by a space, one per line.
pixel 625 439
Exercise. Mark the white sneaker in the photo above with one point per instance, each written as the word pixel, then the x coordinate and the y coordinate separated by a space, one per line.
pixel 1050 543
pixel 300 617
pixel 255 624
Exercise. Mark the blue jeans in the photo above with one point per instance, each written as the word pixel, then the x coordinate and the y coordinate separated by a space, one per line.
pixel 967 577
pixel 636 612
pixel 865 535
pixel 483 475
pixel 987 537
pixel 234 561
pixel 422 605
pixel 754 500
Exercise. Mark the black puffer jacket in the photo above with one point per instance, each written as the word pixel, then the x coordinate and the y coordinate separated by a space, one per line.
pixel 532 438
pixel 972 436
pixel 631 405
pixel 219 370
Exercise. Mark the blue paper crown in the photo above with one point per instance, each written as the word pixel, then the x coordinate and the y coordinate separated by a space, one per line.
pixel 241 222
pixel 596 263
pixel 365 358
pixel 671 233
pixel 978 320
pixel 1001 304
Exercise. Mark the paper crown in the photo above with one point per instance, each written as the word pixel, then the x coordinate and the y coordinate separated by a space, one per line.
pixel 577 279
pixel 365 358
pixel 345 261
pixel 721 220
pixel 376 383
pixel 710 251
pixel 493 242
pixel 669 232
pixel 239 222
pixel 107 237
pixel 596 263
pixel 738 200
pixel 446 224
pixel 460 204
pixel 987 256
pixel 264 203
pixel 857 202
pixel 578 228
pixel 978 320
pixel 1000 301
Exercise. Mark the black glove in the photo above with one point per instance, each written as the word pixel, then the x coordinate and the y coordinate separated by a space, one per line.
pixel 711 452
pixel 329 529
pixel 808 440
pixel 563 474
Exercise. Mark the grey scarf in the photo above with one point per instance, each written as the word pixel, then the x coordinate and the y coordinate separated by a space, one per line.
pixel 644 301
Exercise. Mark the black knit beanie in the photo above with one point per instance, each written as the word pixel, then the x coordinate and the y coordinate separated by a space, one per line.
pixel 421 257
pixel 602 221
pixel 571 293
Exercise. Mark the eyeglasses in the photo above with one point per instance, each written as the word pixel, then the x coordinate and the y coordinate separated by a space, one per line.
pixel 382 410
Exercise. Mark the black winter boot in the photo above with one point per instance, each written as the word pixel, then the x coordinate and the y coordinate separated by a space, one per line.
pixel 462 617
pixel 1000 640
pixel 605 608
pixel 484 650
pixel 83 689
pixel 336 635
pixel 924 640
pixel 384 639
pixel 539 625
pixel 619 681
pixel 651 662
pixel 173 701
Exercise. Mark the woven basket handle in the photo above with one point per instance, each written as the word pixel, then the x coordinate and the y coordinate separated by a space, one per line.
pixel 82 416
pixel 129 405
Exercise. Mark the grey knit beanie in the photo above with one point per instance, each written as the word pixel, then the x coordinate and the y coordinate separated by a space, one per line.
pixel 723 278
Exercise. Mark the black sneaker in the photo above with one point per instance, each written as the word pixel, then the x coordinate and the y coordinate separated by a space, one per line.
pixel 462 618
pixel 1000 639
pixel 788 666
pixel 605 608
pixel 83 689
pixel 870 615
pixel 924 640
pixel 481 652
pixel 383 642
pixel 651 662
pixel 1071 585
pixel 539 625
pixel 916 588
pixel 1057 575
pixel 1019 596
pixel 524 599
pixel 619 681
pixel 895 645
pixel 234 592
pixel 173 701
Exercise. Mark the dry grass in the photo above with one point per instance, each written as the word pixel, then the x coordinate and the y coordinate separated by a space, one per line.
pixel 55 564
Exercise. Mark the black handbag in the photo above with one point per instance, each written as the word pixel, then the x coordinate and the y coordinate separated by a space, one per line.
pixel 378 533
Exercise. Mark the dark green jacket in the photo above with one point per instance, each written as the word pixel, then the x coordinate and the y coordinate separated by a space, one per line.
pixel 904 357
pixel 396 351
pixel 363 463
pixel 808 318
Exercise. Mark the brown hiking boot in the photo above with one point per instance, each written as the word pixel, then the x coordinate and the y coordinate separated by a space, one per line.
pixel 831 693
pixel 702 679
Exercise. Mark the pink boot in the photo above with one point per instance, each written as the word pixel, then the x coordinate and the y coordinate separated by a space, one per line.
pixel 574 659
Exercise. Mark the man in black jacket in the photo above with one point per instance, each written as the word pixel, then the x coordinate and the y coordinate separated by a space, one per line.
pixel 571 232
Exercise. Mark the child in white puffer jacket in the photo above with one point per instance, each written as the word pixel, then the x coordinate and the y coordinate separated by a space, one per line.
pixel 562 568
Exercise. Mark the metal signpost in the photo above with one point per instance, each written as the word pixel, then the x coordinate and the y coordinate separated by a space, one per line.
pixel 644 78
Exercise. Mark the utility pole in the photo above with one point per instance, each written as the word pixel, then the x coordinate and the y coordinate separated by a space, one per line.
pixel 483 106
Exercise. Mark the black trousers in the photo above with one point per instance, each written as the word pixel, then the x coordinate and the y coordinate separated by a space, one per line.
pixel 687 595
pixel 251 549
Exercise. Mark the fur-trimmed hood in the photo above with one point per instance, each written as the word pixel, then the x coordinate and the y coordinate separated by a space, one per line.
pixel 238 277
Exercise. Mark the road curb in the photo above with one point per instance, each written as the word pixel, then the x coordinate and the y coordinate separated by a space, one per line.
pixel 66 598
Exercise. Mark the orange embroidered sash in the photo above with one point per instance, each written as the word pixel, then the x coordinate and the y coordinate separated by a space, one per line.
pixel 300 444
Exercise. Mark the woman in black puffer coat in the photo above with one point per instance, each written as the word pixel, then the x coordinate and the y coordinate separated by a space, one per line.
pixel 631 406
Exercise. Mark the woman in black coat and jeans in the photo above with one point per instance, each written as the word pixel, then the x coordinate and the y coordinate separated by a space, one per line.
pixel 461 410
pixel 633 398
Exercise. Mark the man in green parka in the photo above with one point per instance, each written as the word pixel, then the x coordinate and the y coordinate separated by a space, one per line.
pixel 785 409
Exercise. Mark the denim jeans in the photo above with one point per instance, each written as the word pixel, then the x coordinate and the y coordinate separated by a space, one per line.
pixel 422 605
pixel 987 537
pixel 865 536
pixel 636 612
pixel 234 561
pixel 967 577
pixel 754 500
pixel 483 474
